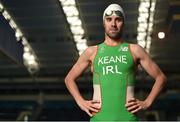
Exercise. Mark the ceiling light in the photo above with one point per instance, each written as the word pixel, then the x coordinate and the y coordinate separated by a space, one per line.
pixel 145 23
pixel 26 49
pixel 29 57
pixel 1 7
pixel 18 33
pixel 72 15
pixel 12 24
pixel 6 15
pixel 161 35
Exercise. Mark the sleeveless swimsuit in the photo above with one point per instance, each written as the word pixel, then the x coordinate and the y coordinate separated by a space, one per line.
pixel 113 73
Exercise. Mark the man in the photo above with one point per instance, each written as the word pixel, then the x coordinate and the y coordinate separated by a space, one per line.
pixel 113 64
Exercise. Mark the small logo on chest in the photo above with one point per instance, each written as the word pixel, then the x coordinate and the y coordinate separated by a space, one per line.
pixel 102 50
pixel 124 49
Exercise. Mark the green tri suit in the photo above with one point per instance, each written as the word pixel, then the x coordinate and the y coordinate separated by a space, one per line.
pixel 113 70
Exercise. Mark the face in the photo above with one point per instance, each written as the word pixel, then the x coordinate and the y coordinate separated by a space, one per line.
pixel 113 26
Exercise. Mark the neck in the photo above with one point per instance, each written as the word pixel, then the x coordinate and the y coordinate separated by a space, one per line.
pixel 112 42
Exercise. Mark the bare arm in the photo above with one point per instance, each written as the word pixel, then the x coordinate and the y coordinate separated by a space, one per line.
pixel 154 71
pixel 73 74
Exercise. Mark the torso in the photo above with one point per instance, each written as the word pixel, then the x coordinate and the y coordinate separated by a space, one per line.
pixel 112 68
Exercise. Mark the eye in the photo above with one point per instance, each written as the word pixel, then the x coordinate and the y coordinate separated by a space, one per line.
pixel 108 19
pixel 119 19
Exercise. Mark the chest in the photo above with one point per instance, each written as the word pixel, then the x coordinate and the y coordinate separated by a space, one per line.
pixel 113 60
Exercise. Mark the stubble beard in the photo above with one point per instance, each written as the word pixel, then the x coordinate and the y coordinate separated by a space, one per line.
pixel 114 35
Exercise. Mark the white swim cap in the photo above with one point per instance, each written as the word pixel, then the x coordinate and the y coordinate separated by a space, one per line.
pixel 114 9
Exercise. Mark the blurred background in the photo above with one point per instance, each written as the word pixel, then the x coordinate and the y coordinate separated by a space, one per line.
pixel 40 40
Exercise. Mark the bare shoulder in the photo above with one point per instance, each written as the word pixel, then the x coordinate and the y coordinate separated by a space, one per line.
pixel 91 49
pixel 89 52
pixel 135 47
pixel 137 50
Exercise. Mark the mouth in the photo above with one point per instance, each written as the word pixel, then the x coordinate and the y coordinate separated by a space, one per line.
pixel 113 30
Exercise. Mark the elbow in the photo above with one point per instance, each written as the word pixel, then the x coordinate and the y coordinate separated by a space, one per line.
pixel 163 78
pixel 66 79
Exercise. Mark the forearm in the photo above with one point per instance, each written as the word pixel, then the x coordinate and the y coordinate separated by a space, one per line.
pixel 73 89
pixel 157 87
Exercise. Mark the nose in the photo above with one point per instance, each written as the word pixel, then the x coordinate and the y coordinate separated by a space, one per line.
pixel 113 23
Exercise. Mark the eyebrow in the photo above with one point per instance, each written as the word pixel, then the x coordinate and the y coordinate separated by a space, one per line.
pixel 111 17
